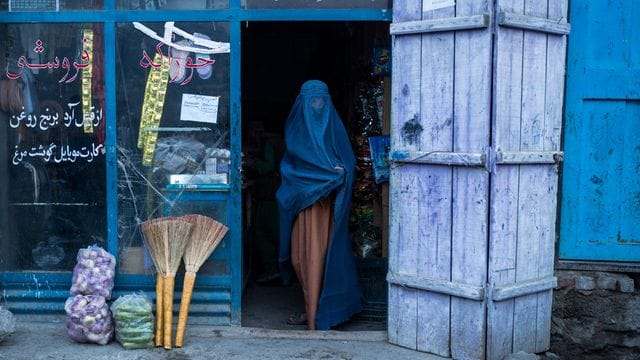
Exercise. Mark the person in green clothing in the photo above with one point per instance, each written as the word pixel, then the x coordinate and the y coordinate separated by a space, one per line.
pixel 266 221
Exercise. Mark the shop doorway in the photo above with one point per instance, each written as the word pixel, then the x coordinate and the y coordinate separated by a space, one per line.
pixel 277 57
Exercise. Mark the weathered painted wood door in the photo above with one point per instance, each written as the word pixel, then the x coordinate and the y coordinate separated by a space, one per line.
pixel 600 216
pixel 441 108
pixel 529 58
pixel 475 141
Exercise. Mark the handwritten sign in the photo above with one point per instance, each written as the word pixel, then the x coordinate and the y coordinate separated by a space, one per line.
pixel 56 153
pixel 188 63
pixel 429 5
pixel 200 108
pixel 51 118
pixel 23 62
pixel 70 147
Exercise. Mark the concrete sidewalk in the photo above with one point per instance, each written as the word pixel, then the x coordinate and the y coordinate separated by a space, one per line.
pixel 49 340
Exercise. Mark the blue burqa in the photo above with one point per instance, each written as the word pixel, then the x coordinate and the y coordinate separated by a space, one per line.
pixel 317 143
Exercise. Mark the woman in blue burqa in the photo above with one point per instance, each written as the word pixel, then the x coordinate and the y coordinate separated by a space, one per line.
pixel 317 173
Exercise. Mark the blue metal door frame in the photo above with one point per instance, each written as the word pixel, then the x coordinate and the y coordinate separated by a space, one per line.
pixel 46 291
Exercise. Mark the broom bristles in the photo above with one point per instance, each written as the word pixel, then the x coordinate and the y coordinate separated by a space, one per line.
pixel 153 239
pixel 175 243
pixel 206 235
pixel 166 239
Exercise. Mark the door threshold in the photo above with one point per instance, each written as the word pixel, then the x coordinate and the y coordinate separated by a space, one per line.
pixel 253 332
pixel 231 331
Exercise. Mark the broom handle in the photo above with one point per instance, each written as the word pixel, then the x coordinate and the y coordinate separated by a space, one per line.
pixel 185 301
pixel 169 282
pixel 159 303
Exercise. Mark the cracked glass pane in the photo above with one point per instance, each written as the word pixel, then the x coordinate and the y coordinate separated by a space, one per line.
pixel 172 131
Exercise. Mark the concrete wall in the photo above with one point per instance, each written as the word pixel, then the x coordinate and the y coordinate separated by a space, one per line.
pixel 596 315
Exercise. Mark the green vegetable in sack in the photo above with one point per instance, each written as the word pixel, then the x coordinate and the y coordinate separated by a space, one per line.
pixel 132 345
pixel 134 321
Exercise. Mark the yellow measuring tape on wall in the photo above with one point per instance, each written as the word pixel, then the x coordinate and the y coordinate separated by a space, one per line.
pixel 152 106
pixel 87 73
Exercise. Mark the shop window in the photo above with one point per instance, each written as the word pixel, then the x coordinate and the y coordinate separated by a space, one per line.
pixel 49 5
pixel 172 4
pixel 316 4
pixel 52 144
pixel 173 133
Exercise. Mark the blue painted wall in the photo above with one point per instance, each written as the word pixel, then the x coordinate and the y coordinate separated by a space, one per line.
pixel 600 214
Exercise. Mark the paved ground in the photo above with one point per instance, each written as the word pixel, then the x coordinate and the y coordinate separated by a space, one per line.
pixel 40 340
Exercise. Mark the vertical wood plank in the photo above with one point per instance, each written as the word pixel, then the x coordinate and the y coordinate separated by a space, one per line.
pixel 469 256
pixel 533 81
pixel 556 56
pixel 434 250
pixel 533 223
pixel 406 67
pixel 472 98
pixel 548 178
pixel 410 193
pixel 554 100
pixel 393 311
pixel 507 103
pixel 536 210
pixel 435 258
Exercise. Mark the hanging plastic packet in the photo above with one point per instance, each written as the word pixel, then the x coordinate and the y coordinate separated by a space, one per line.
pixel 87 74
pixel 204 72
pixel 176 154
pixel 152 107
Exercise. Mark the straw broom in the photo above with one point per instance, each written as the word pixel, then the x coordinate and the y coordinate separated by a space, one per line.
pixel 153 240
pixel 179 232
pixel 170 237
pixel 206 235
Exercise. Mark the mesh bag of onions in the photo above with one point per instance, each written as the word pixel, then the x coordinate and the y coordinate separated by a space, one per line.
pixel 88 315
pixel 94 272
pixel 89 319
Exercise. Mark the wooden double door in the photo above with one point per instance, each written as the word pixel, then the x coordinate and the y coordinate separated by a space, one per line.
pixel 476 122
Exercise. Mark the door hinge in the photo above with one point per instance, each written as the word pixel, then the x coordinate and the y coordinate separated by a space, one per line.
pixel 497 157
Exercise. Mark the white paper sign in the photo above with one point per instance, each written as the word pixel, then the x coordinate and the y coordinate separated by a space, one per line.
pixel 428 5
pixel 200 108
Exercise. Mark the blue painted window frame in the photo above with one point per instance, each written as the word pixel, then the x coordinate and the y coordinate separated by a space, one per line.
pixel 109 16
